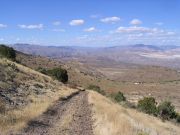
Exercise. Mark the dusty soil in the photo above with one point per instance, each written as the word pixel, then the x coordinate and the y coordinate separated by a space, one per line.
pixel 70 116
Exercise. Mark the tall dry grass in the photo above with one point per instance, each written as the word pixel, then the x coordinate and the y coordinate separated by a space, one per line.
pixel 16 119
pixel 113 119
pixel 12 120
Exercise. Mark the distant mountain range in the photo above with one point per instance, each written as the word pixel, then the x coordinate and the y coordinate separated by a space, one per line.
pixel 168 56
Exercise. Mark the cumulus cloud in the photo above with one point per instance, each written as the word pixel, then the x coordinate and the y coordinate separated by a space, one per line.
pixel 59 30
pixel 32 26
pixel 144 32
pixel 56 23
pixel 135 22
pixel 3 26
pixel 76 22
pixel 1 39
pixel 91 29
pixel 133 29
pixel 113 19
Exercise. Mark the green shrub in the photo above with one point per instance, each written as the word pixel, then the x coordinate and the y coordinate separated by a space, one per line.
pixel 7 52
pixel 96 88
pixel 166 110
pixel 42 70
pixel 178 118
pixel 148 105
pixel 59 73
pixel 118 97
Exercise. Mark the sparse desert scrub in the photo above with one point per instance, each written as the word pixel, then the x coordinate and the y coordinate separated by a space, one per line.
pixel 7 52
pixel 35 93
pixel 162 83
pixel 166 110
pixel 147 105
pixel 57 73
pixel 118 97
pixel 112 119
pixel 16 119
pixel 96 88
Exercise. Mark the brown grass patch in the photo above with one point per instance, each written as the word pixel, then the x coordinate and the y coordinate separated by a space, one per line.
pixel 113 119
pixel 40 91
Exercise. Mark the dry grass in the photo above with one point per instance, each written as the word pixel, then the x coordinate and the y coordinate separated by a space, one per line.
pixel 113 119
pixel 15 119
pixel 159 82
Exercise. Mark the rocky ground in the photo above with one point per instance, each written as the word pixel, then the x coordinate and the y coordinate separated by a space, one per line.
pixel 70 116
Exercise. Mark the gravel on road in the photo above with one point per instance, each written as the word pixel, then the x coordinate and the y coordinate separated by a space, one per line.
pixel 69 116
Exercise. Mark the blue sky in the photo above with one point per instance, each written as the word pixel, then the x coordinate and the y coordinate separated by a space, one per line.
pixel 90 22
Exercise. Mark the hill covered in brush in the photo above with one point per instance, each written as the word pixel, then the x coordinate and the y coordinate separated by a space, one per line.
pixel 34 101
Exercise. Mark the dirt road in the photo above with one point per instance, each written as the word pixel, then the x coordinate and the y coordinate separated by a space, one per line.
pixel 71 116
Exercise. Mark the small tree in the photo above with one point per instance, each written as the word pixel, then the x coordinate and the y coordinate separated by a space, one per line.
pixel 7 52
pixel 96 88
pixel 42 70
pixel 148 105
pixel 119 97
pixel 166 110
pixel 59 73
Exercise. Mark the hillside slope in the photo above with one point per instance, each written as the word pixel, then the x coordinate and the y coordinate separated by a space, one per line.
pixel 25 94
pixel 112 119
pixel 133 80
pixel 71 116
pixel 33 103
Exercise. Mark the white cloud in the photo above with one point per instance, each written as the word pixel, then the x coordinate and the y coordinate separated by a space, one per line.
pixel 56 23
pixel 133 29
pixel 32 26
pixel 136 29
pixel 1 39
pixel 76 22
pixel 113 19
pixel 136 22
pixel 171 33
pixel 91 29
pixel 159 23
pixel 3 26
pixel 157 37
pixel 59 30
pixel 144 32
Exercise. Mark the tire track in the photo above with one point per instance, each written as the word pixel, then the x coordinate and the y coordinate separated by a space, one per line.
pixel 69 116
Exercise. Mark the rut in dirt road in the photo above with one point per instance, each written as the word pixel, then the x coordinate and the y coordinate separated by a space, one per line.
pixel 69 117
